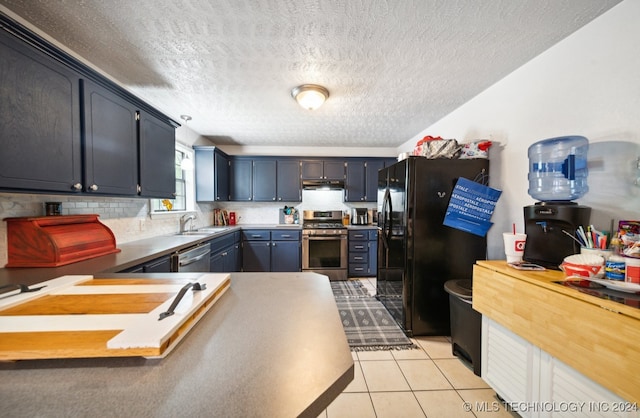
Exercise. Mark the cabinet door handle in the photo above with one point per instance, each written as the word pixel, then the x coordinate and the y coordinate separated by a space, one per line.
pixel 77 186
pixel 286 236
pixel 93 187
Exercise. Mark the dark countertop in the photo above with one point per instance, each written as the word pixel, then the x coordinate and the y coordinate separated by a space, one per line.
pixel 272 346
pixel 132 254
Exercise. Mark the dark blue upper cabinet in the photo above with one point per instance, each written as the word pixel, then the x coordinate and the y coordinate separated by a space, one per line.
pixel 264 180
pixel 355 183
pixel 65 128
pixel 312 169
pixel 361 184
pixel 211 174
pixel 39 120
pixel 241 179
pixel 111 142
pixel 323 169
pixel 221 176
pixel 288 181
pixel 157 157
pixel 371 179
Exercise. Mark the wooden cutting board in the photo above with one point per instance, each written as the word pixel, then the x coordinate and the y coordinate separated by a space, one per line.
pixel 82 316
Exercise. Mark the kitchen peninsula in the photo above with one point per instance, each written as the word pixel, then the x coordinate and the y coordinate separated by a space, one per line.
pixel 545 341
pixel 272 345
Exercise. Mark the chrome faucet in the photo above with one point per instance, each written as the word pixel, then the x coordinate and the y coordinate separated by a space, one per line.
pixel 184 219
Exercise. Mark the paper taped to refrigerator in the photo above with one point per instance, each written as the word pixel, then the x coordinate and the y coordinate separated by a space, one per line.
pixel 471 206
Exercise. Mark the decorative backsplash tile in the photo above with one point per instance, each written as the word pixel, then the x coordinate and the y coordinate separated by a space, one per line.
pixel 128 218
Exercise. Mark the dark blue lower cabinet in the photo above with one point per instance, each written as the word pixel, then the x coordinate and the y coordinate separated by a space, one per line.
pixel 285 256
pixel 226 261
pixel 266 250
pixel 159 265
pixel 256 256
pixel 363 253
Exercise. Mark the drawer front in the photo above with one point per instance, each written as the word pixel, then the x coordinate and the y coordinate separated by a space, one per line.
pixel 217 244
pixel 359 257
pixel 358 246
pixel 358 270
pixel 362 235
pixel 285 235
pixel 256 235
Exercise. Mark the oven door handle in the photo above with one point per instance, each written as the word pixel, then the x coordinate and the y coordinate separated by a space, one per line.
pixel 323 237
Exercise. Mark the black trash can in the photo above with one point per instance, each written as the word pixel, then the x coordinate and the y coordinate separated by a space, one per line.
pixel 466 323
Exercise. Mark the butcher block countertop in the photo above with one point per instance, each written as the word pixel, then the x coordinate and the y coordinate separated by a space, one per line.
pixel 597 337
pixel 272 346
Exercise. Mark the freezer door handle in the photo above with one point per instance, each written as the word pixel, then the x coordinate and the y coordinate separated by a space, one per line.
pixel 387 209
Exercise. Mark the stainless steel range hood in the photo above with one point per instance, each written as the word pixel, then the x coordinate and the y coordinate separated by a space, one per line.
pixel 323 184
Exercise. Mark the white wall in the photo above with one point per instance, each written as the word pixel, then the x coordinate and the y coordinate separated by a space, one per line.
pixel 589 85
pixel 316 151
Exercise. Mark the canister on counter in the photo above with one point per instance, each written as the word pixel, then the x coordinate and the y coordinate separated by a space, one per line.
pixel 53 208
pixel 614 268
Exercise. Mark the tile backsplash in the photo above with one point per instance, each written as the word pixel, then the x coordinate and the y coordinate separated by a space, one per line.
pixel 129 218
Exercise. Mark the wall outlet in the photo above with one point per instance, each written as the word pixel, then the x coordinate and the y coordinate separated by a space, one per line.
pixel 143 224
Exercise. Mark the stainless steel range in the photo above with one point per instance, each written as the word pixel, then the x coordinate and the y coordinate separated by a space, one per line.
pixel 324 243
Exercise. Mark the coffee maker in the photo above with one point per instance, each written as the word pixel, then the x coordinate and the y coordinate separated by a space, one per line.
pixel 360 216
pixel 557 176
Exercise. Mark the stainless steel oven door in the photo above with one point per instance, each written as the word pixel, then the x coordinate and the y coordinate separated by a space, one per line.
pixel 325 254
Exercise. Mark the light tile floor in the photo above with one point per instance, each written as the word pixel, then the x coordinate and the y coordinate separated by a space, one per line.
pixel 425 382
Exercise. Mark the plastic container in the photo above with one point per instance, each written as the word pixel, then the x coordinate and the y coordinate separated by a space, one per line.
pixel 614 268
pixel 558 168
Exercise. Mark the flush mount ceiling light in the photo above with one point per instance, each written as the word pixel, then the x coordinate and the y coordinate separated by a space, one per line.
pixel 185 118
pixel 310 96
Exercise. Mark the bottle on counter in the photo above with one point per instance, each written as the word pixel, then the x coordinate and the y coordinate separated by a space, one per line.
pixel 345 218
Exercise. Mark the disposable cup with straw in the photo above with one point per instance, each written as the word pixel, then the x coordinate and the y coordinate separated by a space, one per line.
pixel 514 243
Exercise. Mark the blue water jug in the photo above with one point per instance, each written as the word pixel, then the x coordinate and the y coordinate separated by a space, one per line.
pixel 558 168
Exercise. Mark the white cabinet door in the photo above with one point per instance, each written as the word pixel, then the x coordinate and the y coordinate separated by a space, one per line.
pixel 510 364
pixel 569 393
pixel 537 385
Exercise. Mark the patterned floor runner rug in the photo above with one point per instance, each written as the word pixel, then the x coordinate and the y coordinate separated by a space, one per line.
pixel 369 326
pixel 348 289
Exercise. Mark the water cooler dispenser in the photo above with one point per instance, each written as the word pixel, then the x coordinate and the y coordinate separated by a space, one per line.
pixel 557 176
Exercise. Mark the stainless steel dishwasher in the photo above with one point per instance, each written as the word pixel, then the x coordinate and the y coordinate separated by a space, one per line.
pixel 192 259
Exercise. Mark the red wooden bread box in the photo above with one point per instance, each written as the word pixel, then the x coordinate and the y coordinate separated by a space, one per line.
pixel 52 241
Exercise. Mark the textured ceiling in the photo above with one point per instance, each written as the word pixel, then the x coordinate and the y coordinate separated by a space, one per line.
pixel 392 67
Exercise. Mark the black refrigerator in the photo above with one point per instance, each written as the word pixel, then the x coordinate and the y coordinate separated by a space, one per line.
pixel 417 254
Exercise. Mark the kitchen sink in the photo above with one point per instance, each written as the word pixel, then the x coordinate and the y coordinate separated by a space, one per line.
pixel 203 231
pixel 194 233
